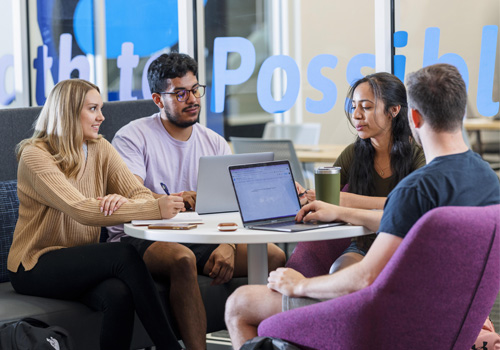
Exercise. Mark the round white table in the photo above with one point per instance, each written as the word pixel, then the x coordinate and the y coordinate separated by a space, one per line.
pixel 256 239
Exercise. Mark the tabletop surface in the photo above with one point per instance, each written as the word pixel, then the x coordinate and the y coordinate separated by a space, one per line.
pixel 482 124
pixel 325 153
pixel 208 233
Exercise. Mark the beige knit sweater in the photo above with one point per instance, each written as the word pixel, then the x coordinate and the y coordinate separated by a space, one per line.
pixel 56 212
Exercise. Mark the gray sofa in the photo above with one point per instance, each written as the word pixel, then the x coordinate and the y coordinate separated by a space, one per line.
pixel 81 322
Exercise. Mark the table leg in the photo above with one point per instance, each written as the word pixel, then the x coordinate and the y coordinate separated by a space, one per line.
pixel 257 263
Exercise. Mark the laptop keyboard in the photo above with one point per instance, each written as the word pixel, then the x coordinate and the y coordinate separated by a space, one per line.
pixel 297 226
pixel 287 224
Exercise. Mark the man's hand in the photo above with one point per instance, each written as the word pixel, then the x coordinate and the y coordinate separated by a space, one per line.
pixel 189 198
pixel 220 264
pixel 286 281
pixel 111 202
pixel 319 211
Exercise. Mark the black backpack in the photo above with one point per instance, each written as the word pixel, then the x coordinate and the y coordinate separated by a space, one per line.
pixel 32 334
pixel 267 343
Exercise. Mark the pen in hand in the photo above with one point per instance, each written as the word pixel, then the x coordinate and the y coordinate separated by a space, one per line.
pixel 303 194
pixel 165 188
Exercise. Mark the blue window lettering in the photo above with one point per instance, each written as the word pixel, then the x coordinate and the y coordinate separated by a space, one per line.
pixel 431 53
pixel 485 106
pixel 354 66
pixel 266 100
pixel 223 76
pixel 400 40
pixel 321 83
pixel 42 64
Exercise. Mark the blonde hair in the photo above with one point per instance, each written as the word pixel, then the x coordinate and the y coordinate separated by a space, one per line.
pixel 58 128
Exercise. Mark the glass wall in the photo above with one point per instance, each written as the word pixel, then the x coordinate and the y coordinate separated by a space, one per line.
pixel 459 32
pixel 7 88
pixel 467 39
pixel 65 36
pixel 288 61
pixel 337 47
pixel 247 23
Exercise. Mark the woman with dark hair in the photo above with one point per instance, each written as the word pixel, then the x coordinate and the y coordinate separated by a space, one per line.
pixel 71 181
pixel 382 155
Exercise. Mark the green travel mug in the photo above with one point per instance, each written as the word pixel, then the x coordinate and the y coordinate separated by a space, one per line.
pixel 327 182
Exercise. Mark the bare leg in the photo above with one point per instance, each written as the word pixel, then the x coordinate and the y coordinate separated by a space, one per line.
pixel 177 263
pixel 275 258
pixel 246 308
pixel 345 260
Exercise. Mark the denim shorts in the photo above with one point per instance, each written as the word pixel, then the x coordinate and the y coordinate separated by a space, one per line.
pixel 288 303
pixel 353 248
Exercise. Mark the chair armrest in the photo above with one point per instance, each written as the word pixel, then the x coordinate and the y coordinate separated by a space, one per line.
pixel 342 323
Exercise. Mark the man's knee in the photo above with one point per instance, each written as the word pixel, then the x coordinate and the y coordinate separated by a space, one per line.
pixel 171 259
pixel 236 301
pixel 250 305
pixel 184 263
pixel 276 257
pixel 241 300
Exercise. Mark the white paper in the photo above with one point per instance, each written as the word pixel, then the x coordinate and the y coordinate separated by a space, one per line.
pixel 184 217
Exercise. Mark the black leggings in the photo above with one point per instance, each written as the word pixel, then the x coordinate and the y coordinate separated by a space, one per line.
pixel 109 277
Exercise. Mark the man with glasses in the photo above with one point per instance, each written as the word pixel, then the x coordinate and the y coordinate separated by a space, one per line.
pixel 163 151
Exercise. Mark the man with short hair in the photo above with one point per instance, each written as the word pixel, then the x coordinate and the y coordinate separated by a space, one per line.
pixel 437 100
pixel 166 148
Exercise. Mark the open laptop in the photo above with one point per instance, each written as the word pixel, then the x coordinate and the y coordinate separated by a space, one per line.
pixel 215 193
pixel 267 197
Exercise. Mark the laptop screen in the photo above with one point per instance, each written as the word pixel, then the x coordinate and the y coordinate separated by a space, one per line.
pixel 215 192
pixel 265 191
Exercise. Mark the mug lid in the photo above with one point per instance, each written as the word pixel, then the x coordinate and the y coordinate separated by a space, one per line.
pixel 328 170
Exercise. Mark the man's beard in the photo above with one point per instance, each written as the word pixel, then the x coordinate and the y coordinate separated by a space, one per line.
pixel 174 119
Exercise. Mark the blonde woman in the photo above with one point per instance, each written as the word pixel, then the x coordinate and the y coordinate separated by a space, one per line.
pixel 71 182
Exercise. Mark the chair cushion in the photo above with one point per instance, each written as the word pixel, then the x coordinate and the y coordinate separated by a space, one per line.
pixel 9 205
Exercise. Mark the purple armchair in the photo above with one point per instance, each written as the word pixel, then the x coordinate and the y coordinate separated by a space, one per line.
pixel 435 292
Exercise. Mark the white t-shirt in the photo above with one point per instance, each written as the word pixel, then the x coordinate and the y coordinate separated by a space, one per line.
pixel 152 154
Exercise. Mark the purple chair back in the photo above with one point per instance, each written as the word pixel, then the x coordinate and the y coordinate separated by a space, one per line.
pixel 435 292
pixel 315 258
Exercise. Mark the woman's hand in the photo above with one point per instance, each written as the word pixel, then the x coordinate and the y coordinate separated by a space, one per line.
pixel 171 205
pixel 305 196
pixel 111 203
pixel 319 211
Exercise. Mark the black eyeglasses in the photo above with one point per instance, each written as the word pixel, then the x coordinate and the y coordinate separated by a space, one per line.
pixel 183 95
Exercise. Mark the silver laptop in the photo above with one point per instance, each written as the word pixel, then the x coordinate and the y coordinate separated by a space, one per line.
pixel 267 197
pixel 215 193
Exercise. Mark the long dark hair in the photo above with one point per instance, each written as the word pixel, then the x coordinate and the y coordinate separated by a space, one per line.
pixel 391 91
